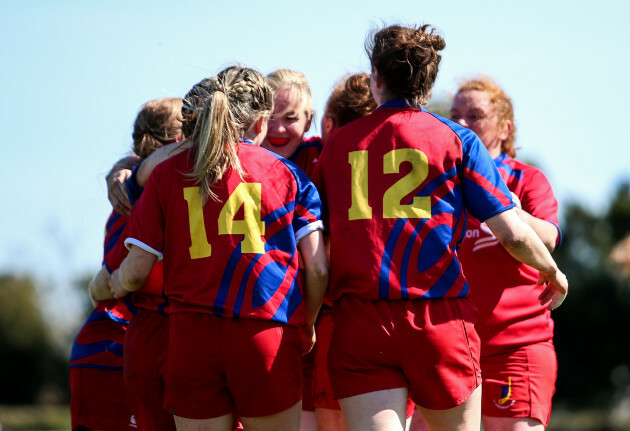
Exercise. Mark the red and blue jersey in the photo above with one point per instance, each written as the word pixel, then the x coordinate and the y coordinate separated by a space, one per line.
pixel 504 289
pixel 151 295
pixel 236 256
pixel 99 343
pixel 396 185
pixel 306 154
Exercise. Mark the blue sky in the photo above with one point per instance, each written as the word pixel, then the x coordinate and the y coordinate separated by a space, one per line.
pixel 74 75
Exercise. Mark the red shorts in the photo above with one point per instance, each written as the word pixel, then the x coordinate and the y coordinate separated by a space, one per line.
pixel 146 343
pixel 308 385
pixel 98 400
pixel 521 383
pixel 428 346
pixel 323 395
pixel 219 365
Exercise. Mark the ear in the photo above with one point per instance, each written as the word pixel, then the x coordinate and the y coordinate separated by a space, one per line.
pixel 507 128
pixel 328 124
pixel 308 125
pixel 259 124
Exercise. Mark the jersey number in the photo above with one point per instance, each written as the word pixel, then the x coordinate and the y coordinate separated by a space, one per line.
pixel 420 207
pixel 246 195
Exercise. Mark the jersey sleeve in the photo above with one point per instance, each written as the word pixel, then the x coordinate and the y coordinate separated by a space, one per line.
pixel 485 192
pixel 134 191
pixel 308 206
pixel 539 200
pixel 147 221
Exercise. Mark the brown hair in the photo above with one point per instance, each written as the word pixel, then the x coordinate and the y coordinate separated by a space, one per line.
pixel 351 99
pixel 158 123
pixel 194 101
pixel 238 97
pixel 501 104
pixel 297 85
pixel 407 60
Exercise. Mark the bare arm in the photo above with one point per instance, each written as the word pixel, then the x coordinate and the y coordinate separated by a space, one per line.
pixel 313 255
pixel 133 272
pixel 520 240
pixel 547 232
pixel 116 192
pixel 156 158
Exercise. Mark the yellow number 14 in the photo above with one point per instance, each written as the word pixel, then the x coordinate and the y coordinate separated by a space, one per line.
pixel 246 195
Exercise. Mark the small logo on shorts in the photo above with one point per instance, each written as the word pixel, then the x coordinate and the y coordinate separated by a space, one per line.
pixel 506 392
pixel 132 422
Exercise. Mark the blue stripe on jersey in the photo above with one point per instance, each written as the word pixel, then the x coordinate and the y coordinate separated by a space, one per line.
pixel 80 351
pixel 97 316
pixel 226 280
pixel 268 282
pixel 129 304
pixel 112 219
pixel 243 286
pixel 405 260
pixel 290 303
pixel 390 246
pixel 113 239
pixel 134 191
pixel 445 282
pixel 500 163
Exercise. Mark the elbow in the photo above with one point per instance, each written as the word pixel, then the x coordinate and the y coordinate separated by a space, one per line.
pixel 513 240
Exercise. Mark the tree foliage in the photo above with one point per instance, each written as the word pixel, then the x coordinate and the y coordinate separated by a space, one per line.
pixel 29 362
pixel 591 326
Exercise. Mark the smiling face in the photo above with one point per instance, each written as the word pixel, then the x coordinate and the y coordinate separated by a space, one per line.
pixel 473 109
pixel 287 125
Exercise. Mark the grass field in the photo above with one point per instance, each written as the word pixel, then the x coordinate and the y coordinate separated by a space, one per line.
pixel 21 418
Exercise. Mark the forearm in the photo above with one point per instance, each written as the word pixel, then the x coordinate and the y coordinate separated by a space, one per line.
pixel 313 255
pixel 99 287
pixel 546 231
pixel 315 291
pixel 134 270
pixel 521 241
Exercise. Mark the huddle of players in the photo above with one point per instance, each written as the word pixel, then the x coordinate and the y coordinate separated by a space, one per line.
pixel 245 271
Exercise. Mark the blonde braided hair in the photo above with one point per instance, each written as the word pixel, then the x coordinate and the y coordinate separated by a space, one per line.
pixel 239 96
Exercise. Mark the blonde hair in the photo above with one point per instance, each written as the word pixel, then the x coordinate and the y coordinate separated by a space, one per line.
pixel 501 105
pixel 298 88
pixel 158 123
pixel 238 97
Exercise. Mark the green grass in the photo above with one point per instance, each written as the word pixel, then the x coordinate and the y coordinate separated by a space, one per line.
pixel 13 418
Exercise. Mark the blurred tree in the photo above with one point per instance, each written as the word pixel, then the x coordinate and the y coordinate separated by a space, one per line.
pixel 29 362
pixel 591 327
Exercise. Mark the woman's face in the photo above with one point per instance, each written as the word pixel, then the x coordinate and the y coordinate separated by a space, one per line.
pixel 473 109
pixel 287 125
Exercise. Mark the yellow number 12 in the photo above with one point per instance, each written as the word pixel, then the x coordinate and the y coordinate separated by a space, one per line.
pixel 420 207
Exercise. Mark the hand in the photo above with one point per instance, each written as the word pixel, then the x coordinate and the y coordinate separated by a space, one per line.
pixel 556 290
pixel 307 336
pixel 99 287
pixel 116 286
pixel 117 191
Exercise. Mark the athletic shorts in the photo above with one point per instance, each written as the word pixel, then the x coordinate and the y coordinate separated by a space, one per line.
pixel 308 384
pixel 146 346
pixel 323 394
pixel 429 346
pixel 521 383
pixel 219 365
pixel 98 400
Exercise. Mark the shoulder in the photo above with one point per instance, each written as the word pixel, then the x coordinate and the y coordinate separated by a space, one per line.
pixel 312 142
